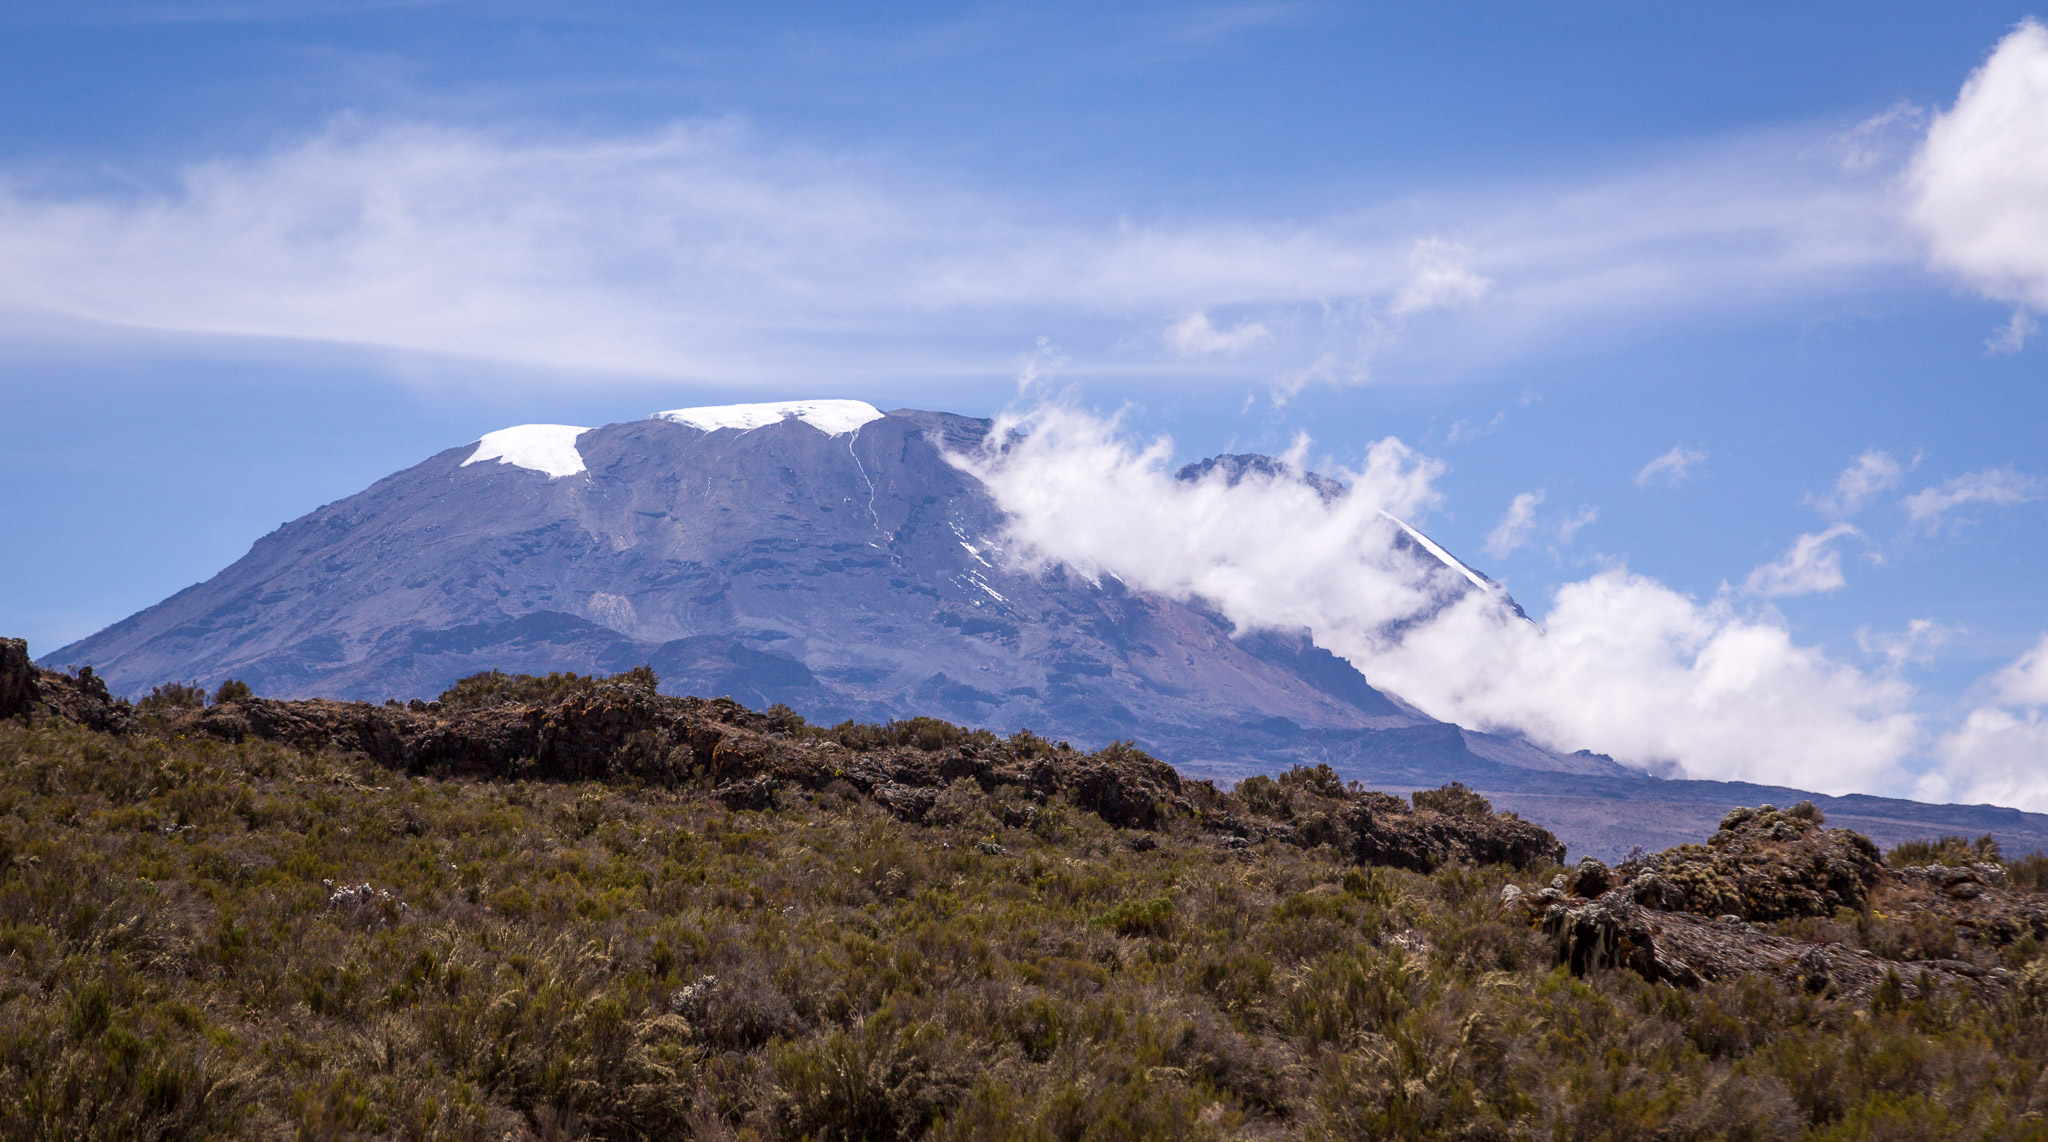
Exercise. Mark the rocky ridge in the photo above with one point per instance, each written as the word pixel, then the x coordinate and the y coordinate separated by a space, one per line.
pixel 622 728
pixel 1774 892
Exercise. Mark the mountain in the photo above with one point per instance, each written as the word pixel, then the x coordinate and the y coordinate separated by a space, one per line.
pixel 827 556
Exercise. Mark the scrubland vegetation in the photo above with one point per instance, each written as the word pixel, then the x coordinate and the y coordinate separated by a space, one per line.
pixel 210 939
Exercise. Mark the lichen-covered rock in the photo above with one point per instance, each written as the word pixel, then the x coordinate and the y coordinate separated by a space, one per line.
pixel 1591 878
pixel 1613 932
pixel 1385 831
pixel 1766 864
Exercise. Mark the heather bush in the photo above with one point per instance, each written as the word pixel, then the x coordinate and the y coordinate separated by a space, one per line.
pixel 1453 800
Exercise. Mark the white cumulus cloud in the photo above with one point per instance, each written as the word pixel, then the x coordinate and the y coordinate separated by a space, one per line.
pixel 2000 751
pixel 1979 184
pixel 2025 682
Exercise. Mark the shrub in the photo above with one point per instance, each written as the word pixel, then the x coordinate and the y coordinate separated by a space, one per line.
pixel 1150 917
pixel 174 696
pixel 1948 850
pixel 1452 800
pixel 232 690
pixel 495 688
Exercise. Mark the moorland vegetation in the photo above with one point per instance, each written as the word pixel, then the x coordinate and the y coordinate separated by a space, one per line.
pixel 566 907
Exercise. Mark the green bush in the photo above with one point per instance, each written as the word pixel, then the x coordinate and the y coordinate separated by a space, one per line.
pixel 232 690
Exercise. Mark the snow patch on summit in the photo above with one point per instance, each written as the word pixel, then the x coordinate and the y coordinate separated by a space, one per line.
pixel 831 417
pixel 549 448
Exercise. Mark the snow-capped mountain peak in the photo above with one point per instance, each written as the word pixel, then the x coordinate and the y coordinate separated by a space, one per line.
pixel 831 417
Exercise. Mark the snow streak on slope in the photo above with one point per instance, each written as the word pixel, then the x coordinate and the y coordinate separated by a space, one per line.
pixel 1448 560
pixel 549 448
pixel 831 417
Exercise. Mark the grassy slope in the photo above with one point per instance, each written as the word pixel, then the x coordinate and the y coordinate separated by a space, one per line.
pixel 175 963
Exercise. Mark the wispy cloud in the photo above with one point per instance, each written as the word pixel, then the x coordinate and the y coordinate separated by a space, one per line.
pixel 1916 643
pixel 2013 335
pixel 1194 336
pixel 1868 476
pixel 1516 527
pixel 1568 528
pixel 705 251
pixel 1440 276
pixel 1996 487
pixel 1220 22
pixel 1811 565
pixel 1464 430
pixel 1672 468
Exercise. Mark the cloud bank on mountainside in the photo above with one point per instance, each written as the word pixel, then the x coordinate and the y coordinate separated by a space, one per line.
pixel 1621 664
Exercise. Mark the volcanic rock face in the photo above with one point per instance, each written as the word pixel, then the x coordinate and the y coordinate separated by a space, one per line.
pixel 17 678
pixel 820 554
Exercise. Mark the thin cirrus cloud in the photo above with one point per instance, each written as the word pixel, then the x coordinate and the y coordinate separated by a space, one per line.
pixel 1672 468
pixel 704 251
pixel 1994 487
pixel 1620 663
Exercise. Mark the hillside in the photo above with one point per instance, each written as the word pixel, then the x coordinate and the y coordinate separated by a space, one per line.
pixel 560 908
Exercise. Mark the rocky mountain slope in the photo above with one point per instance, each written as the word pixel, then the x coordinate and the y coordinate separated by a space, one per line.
pixel 828 558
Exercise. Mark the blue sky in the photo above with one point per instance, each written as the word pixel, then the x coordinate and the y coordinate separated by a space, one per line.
pixel 253 257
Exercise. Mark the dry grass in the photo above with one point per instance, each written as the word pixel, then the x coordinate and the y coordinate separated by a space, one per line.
pixel 187 950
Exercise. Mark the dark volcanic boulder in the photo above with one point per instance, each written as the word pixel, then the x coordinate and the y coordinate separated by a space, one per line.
pixel 1385 831
pixel 17 678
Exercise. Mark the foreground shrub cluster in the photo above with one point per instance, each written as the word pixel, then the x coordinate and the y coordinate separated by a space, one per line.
pixel 202 938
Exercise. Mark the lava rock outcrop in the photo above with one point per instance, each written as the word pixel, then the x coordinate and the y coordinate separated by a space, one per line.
pixel 1766 864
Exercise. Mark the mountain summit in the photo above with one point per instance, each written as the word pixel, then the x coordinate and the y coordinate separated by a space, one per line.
pixel 822 554
pixel 825 555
